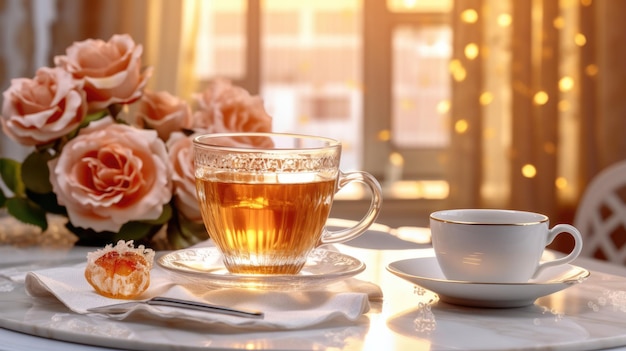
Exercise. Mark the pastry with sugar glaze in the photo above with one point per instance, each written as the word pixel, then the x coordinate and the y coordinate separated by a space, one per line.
pixel 121 271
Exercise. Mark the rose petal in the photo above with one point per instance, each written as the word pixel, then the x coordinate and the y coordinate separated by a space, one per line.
pixel 111 174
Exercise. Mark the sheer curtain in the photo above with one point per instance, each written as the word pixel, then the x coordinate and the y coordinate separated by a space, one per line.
pixel 34 31
pixel 537 86
pixel 538 104
pixel 166 29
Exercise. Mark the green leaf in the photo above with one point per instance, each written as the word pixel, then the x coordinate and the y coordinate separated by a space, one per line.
pixel 132 231
pixel 89 237
pixel 35 172
pixel 193 231
pixel 164 218
pixel 114 109
pixel 47 201
pixel 182 232
pixel 175 238
pixel 136 231
pixel 47 146
pixel 3 198
pixel 27 212
pixel 94 117
pixel 10 172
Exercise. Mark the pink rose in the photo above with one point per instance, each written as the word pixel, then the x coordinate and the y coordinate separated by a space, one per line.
pixel 111 70
pixel 228 108
pixel 39 110
pixel 111 174
pixel 180 149
pixel 164 112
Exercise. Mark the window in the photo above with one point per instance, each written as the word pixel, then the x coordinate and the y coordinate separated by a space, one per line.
pixel 317 59
pixel 221 39
pixel 420 86
pixel 311 70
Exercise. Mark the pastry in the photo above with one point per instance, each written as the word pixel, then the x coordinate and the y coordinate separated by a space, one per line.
pixel 121 271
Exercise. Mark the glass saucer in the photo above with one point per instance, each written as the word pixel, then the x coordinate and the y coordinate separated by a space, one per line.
pixel 204 266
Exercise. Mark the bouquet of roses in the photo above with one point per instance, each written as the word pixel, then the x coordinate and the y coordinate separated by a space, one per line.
pixel 116 171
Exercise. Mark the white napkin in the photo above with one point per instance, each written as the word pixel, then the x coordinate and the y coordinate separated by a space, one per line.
pixel 343 302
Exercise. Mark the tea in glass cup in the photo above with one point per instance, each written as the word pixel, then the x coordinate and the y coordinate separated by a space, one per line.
pixel 265 197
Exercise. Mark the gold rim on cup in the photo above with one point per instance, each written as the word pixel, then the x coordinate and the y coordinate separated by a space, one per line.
pixel 438 214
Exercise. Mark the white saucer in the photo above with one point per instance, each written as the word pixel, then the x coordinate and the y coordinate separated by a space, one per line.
pixel 204 266
pixel 426 273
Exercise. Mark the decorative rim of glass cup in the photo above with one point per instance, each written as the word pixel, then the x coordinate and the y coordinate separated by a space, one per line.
pixel 532 217
pixel 203 141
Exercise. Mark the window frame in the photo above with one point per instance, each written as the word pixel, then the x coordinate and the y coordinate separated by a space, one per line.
pixel 378 26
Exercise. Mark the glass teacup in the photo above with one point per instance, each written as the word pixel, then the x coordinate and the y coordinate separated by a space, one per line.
pixel 265 197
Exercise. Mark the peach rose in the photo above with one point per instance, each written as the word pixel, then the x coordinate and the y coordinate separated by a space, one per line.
pixel 39 110
pixel 164 112
pixel 224 107
pixel 180 149
pixel 111 70
pixel 111 174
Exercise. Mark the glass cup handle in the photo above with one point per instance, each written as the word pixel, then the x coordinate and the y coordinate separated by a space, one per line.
pixel 578 246
pixel 331 237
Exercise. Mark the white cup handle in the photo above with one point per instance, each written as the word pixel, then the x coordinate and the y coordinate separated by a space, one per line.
pixel 331 237
pixel 578 246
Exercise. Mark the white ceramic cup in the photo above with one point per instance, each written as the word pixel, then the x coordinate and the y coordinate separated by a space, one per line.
pixel 495 246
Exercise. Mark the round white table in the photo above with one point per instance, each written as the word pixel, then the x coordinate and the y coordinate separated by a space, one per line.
pixel 589 315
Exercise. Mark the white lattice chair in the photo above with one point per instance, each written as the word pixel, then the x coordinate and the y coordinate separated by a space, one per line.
pixel 601 215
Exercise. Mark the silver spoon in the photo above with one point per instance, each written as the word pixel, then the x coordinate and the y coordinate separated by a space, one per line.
pixel 168 301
